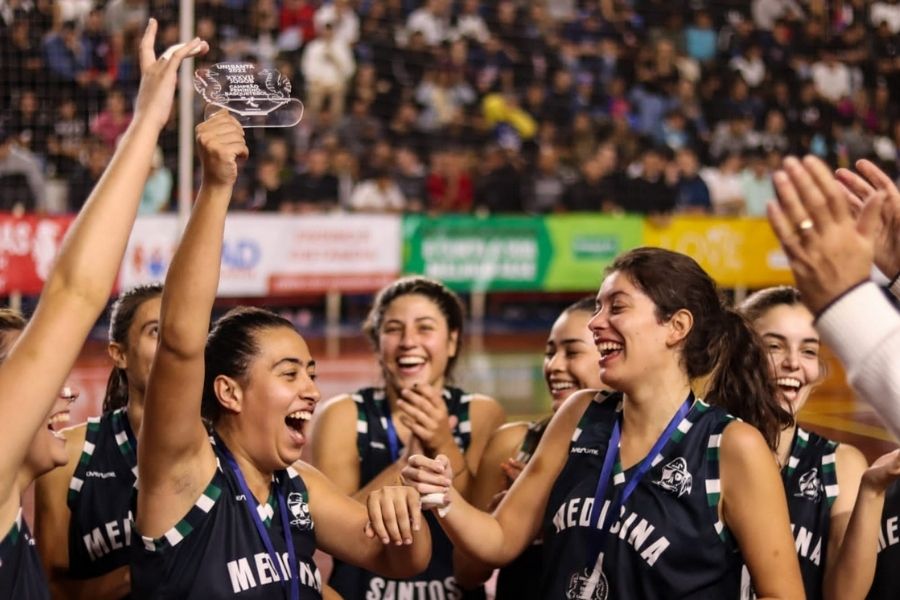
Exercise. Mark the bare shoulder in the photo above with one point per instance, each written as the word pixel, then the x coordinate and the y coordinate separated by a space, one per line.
pixel 847 456
pixel 743 443
pixel 486 410
pixel 507 439
pixel 337 406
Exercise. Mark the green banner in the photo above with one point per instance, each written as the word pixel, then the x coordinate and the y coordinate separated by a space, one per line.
pixel 557 253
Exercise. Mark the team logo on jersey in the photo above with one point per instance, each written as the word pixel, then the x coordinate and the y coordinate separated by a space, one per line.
pixel 299 510
pixel 676 478
pixel 587 585
pixel 810 486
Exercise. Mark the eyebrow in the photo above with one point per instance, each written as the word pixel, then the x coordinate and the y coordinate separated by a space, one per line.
pixel 417 319
pixel 295 361
pixel 780 337
pixel 149 323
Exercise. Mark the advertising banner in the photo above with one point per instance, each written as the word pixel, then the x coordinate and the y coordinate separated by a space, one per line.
pixel 735 252
pixel 276 255
pixel 556 253
pixel 28 246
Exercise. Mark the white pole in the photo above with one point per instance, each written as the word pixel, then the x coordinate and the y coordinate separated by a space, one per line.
pixel 186 117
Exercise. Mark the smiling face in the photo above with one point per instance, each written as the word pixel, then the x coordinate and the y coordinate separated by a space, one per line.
pixel 275 400
pixel 793 345
pixel 570 357
pixel 48 446
pixel 632 342
pixel 414 342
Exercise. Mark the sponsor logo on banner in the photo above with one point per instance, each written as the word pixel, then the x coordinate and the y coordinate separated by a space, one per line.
pixel 28 247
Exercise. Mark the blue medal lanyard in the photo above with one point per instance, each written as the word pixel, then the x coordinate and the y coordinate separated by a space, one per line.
pixel 249 499
pixel 598 539
pixel 393 441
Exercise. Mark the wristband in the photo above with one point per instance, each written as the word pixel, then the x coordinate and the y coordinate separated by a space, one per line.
pixel 435 500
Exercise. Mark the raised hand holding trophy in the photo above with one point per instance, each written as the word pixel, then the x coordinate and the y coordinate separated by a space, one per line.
pixel 257 97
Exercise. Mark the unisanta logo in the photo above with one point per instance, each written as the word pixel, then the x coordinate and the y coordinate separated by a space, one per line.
pixel 676 478
pixel 299 510
pixel 587 584
pixel 810 486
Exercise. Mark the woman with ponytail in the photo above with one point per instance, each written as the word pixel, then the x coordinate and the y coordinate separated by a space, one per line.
pixel 650 492
pixel 88 502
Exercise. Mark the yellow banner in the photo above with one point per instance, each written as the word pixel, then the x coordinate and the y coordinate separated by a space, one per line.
pixel 735 252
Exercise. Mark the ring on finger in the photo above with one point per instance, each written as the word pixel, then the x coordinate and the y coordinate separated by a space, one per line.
pixel 805 225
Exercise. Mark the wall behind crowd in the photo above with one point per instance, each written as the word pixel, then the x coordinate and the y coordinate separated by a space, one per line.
pixel 442 106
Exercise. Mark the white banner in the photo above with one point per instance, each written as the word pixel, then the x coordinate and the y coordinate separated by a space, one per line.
pixel 280 255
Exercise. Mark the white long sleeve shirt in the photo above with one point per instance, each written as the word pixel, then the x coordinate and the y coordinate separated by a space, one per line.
pixel 863 329
pixel 327 63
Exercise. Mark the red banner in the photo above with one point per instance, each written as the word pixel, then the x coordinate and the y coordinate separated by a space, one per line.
pixel 28 247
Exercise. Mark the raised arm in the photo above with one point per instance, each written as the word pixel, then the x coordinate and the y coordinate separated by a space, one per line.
pixel 175 459
pixel 851 565
pixel 497 539
pixel 754 509
pixel 80 282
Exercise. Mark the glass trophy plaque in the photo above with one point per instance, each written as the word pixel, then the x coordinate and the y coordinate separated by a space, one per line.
pixel 257 97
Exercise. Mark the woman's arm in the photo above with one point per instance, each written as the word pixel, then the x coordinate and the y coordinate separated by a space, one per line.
pixel 754 508
pixel 335 454
pixel 387 535
pixel 490 481
pixel 851 559
pixel 497 539
pixel 175 458
pixel 81 279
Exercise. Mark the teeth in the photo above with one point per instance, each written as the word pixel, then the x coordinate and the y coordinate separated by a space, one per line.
pixel 59 418
pixel 58 435
pixel 788 382
pixel 410 361
pixel 607 347
pixel 303 415
pixel 556 386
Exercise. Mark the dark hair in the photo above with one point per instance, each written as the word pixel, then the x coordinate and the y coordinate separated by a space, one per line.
pixel 231 346
pixel 121 316
pixel 721 344
pixel 587 304
pixel 10 320
pixel 446 300
pixel 761 302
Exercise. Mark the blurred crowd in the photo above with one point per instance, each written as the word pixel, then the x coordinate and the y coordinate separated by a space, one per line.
pixel 437 106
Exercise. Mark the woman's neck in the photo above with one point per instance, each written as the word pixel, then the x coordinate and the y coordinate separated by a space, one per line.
pixel 259 480
pixel 785 441
pixel 134 409
pixel 646 415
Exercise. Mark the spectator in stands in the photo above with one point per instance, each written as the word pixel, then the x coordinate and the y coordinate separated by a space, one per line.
pixel 756 182
pixel 379 194
pixel 767 12
pixel 21 179
pixel 410 176
pixel 547 182
pixel 126 14
pixel 469 23
pixel 599 185
pixel 30 124
pixel 833 80
pixel 66 58
pixel 732 136
pixel 97 156
pixel 339 14
pixel 692 192
pixel 22 64
pixel 359 130
pixel 724 183
pixel 66 140
pixel 298 16
pixel 887 12
pixel 773 137
pixel 449 184
pixel 498 189
pixel 750 66
pixel 114 120
pixel 652 191
pixel 700 38
pixel 315 188
pixel 432 20
pixel 157 195
pixel 327 66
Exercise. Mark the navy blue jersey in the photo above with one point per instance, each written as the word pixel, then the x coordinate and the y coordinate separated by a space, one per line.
pixel 21 574
pixel 215 551
pixel 668 541
pixel 886 585
pixel 811 486
pixel 437 581
pixel 520 579
pixel 100 497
